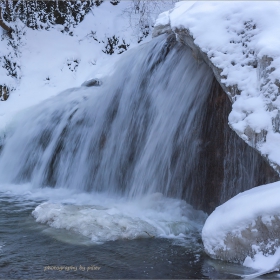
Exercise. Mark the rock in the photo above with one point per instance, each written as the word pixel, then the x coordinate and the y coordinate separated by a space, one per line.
pixel 265 89
pixel 92 83
pixel 245 226
pixel 226 164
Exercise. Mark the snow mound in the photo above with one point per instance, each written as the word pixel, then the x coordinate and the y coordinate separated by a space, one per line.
pixel 246 229
pixel 238 40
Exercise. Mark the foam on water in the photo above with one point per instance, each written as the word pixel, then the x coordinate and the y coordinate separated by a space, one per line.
pixel 103 218
pixel 120 221
pixel 104 224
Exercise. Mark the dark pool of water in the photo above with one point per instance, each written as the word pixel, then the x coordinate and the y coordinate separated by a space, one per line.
pixel 32 250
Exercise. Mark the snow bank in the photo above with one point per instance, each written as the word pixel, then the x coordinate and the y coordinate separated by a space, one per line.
pixel 246 229
pixel 238 40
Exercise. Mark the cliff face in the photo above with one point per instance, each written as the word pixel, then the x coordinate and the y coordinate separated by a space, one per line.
pixel 237 43
pixel 227 165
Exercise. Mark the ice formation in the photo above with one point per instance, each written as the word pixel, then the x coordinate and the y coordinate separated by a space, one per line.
pixel 147 217
pixel 246 229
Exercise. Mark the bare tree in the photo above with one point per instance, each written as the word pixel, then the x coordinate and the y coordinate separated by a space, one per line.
pixel 142 15
pixel 8 30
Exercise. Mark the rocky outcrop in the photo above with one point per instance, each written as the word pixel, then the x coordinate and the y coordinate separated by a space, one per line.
pixel 92 83
pixel 268 90
pixel 226 164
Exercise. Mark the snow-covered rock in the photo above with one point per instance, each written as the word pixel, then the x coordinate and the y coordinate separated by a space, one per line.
pixel 246 229
pixel 238 41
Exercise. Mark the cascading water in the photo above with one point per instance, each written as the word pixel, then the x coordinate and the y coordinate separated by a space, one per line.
pixel 118 138
pixel 117 142
pixel 158 124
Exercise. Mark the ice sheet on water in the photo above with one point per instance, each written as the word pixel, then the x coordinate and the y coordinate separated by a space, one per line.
pixel 239 38
pixel 148 217
pixel 82 217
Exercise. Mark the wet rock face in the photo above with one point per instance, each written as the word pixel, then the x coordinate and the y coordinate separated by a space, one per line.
pixel 226 165
pixel 266 89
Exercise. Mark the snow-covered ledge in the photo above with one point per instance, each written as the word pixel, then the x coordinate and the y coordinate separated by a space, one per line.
pixel 240 42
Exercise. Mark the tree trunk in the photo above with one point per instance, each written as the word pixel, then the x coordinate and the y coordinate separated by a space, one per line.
pixel 3 24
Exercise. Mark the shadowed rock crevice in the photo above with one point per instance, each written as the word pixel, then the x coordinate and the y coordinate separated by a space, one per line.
pixel 227 165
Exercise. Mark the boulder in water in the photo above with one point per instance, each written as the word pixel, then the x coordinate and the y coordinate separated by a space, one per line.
pixel 246 229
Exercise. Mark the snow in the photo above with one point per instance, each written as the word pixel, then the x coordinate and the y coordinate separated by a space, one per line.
pixel 238 37
pixel 107 219
pixel 52 61
pixel 246 229
pixel 264 263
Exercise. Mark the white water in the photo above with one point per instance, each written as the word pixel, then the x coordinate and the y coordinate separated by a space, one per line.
pixel 130 142
pixel 151 216
pixel 101 218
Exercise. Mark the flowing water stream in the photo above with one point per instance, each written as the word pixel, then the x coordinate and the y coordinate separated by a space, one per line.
pixel 120 138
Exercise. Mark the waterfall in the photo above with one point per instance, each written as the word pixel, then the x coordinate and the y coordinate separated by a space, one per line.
pixel 148 128
pixel 119 138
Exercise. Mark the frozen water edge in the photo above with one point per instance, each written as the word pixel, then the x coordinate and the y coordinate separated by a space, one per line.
pixel 102 218
pixel 151 216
